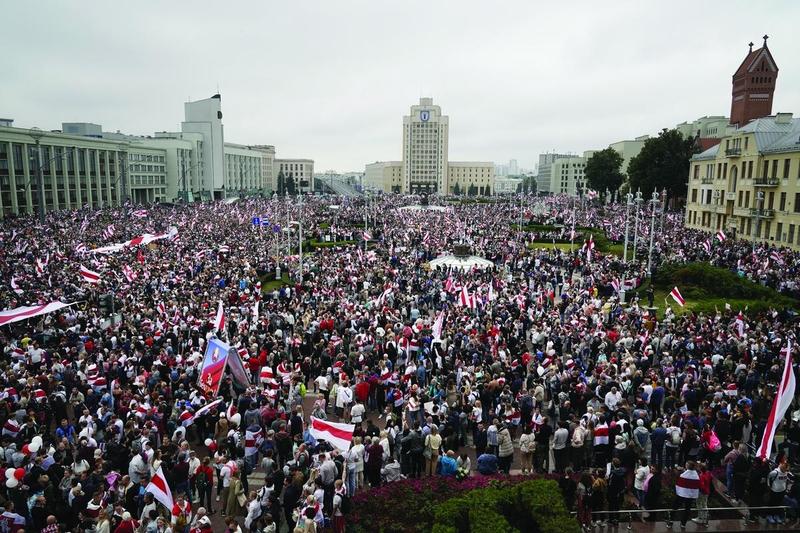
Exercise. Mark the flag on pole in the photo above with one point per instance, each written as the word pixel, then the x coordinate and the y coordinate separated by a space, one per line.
pixel 707 246
pixel 219 320
pixel 159 488
pixel 90 276
pixel 336 434
pixel 721 236
pixel 589 246
pixel 783 398
pixel 676 295
pixel 188 421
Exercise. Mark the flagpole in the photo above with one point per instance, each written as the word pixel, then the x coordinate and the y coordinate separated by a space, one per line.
pixel 654 202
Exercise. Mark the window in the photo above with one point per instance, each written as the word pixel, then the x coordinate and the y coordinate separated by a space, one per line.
pixel 790 238
pixel 766 169
pixel 786 163
pixel 745 142
pixel 779 231
pixel 694 193
pixel 797 202
pixel 782 202
pixel 774 168
pixel 750 169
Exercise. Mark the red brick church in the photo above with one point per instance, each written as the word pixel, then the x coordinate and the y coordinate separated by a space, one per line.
pixel 754 86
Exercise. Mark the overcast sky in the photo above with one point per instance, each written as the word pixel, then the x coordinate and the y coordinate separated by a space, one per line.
pixel 331 79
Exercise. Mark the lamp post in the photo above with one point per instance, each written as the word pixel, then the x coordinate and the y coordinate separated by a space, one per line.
pixel 628 204
pixel 37 135
pixel 638 201
pixel 760 197
pixel 654 203
pixel 716 195
pixel 663 210
pixel 123 152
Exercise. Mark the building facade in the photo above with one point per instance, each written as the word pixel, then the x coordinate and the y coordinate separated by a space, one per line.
pixel 545 166
pixel 470 177
pixel 425 147
pixel 78 171
pixel 385 176
pixel 749 184
pixel 300 171
pixel 204 117
pixel 243 171
pixel 506 184
pixel 568 175
pixel 628 150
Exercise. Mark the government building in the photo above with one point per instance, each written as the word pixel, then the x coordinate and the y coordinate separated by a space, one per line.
pixel 749 184
pixel 425 167
pixel 84 166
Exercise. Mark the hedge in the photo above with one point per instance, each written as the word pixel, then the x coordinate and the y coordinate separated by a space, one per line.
pixel 534 505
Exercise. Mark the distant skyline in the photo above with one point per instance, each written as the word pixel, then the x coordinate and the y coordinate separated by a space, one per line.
pixel 331 81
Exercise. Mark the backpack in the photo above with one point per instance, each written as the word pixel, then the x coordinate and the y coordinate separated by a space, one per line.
pixel 675 437
pixel 201 481
pixel 346 504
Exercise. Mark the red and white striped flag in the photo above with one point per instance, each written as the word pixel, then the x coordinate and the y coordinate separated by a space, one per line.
pixel 140 213
pixel 162 309
pixel 81 248
pixel 782 401
pixel 130 275
pixel 14 285
pixel 707 246
pixel 337 434
pixel 615 284
pixel 466 299
pixel 776 256
pixel 189 420
pixel 367 236
pixel 90 276
pixel 438 325
pixel 219 320
pixel 11 428
pixel 721 236
pixel 252 441
pixel 676 295
pixel 160 490
pixel 589 246
pixel 108 232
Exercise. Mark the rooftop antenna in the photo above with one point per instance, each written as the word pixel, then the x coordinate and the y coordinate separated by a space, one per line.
pixel 217 87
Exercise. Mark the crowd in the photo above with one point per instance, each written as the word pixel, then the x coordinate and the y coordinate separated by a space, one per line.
pixel 544 370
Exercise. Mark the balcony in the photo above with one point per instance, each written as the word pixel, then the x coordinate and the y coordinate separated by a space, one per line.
pixel 762 213
pixel 706 181
pixel 766 182
pixel 730 196
pixel 733 152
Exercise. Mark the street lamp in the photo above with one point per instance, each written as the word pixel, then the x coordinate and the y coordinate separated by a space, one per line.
pixel 638 201
pixel 123 152
pixel 628 204
pixel 760 197
pixel 37 135
pixel 654 202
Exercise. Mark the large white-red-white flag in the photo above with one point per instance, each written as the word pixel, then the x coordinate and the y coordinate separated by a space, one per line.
pixel 466 299
pixel 219 320
pixel 90 276
pixel 159 488
pixel 740 324
pixel 25 312
pixel 438 325
pixel 189 420
pixel 676 295
pixel 336 434
pixel 781 403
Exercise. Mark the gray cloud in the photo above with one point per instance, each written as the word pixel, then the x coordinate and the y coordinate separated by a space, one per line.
pixel 331 80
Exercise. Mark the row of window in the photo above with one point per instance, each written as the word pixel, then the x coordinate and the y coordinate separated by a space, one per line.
pixel 747 227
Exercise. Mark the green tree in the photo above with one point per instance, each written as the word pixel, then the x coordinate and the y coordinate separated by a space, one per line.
pixel 281 183
pixel 456 189
pixel 291 187
pixel 603 171
pixel 663 163
pixel 473 190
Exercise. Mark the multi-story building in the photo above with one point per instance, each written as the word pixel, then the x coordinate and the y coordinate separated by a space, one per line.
pixel 243 171
pixel 568 175
pixel 545 166
pixel 628 150
pixel 425 148
pixel 506 184
pixel 753 86
pixel 425 168
pixel 205 117
pixel 300 171
pixel 77 171
pixel 386 176
pixel 470 177
pixel 267 166
pixel 749 184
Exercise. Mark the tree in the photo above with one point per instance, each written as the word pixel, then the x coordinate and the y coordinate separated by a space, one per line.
pixel 603 171
pixel 663 163
pixel 473 190
pixel 291 187
pixel 281 183
pixel 456 189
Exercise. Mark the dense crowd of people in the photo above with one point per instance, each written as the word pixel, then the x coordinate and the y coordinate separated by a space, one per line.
pixel 535 365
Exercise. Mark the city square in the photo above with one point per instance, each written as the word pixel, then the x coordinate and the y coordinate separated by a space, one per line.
pixel 207 336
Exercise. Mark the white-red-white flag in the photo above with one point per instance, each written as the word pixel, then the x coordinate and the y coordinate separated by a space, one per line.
pixel 252 441
pixel 740 324
pixel 160 490
pixel 130 275
pixel 90 276
pixel 219 320
pixel 438 325
pixel 336 434
pixel 189 420
pixel 782 401
pixel 676 295
pixel 721 236
pixel 14 285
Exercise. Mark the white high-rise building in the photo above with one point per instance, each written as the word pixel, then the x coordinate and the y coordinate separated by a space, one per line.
pixel 425 146
pixel 205 117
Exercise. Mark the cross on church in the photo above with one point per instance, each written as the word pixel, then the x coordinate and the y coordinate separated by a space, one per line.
pixel 765 39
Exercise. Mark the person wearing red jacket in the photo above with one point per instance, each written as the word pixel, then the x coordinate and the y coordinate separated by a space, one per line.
pixel 128 524
pixel 702 498
pixel 205 492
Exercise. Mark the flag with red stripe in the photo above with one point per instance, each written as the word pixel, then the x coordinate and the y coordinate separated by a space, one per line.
pixel 337 434
pixel 90 276
pixel 676 295
pixel 781 403
pixel 160 490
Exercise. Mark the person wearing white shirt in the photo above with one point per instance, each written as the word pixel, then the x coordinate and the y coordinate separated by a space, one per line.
pixel 612 399
pixel 357 413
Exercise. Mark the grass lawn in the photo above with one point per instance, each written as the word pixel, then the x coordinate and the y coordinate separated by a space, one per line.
pixel 548 245
pixel 269 286
pixel 616 249
pixel 323 244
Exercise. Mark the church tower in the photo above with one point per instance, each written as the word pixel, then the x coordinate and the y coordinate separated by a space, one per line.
pixel 754 86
